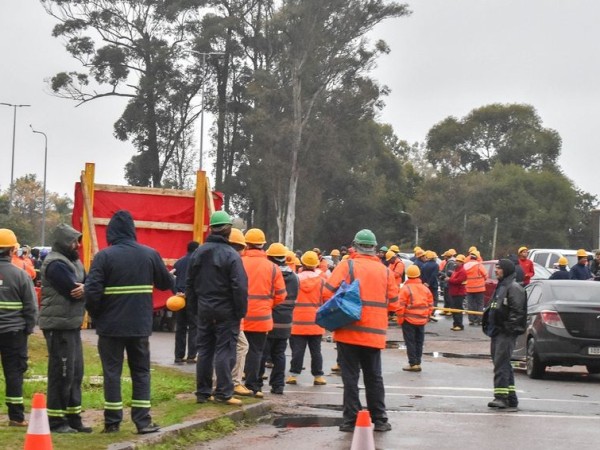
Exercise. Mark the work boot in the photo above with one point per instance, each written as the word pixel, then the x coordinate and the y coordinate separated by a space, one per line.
pixel 152 428
pixel 242 390
pixel 347 427
pixel 204 399
pixel 457 328
pixel 230 401
pixel 63 429
pixel 498 402
pixel 18 423
pixel 191 360
pixel 412 368
pixel 277 390
pixel 179 361
pixel 320 381
pixel 112 428
pixel 336 368
pixel 382 426
pixel 259 394
pixel 291 380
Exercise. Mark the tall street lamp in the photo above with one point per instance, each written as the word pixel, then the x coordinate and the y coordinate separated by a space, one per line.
pixel 12 163
pixel 416 227
pixel 44 198
pixel 204 55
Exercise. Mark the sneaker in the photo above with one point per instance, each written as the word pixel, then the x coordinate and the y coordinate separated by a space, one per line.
pixel 320 381
pixel 457 328
pixel 179 361
pixel 382 426
pixel 498 402
pixel 63 429
pixel 230 401
pixel 204 399
pixel 242 390
pixel 347 427
pixel 291 380
pixel 259 394
pixel 413 368
pixel 17 423
pixel 113 428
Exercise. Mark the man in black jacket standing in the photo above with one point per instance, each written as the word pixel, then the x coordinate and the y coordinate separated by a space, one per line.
pixel 61 316
pixel 217 292
pixel 503 320
pixel 118 296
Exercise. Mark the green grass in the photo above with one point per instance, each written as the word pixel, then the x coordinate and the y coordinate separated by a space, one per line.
pixel 172 400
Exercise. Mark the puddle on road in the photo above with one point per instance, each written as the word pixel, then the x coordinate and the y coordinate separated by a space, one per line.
pixel 395 344
pixel 291 421
pixel 458 355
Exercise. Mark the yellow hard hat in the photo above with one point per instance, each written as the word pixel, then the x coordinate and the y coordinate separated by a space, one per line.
pixel 277 250
pixel 389 255
pixel 451 252
pixel 413 271
pixel 562 261
pixel 290 257
pixel 255 236
pixel 345 257
pixel 317 250
pixel 237 237
pixel 472 249
pixel 521 249
pixel 175 303
pixel 297 261
pixel 310 259
pixel 581 253
pixel 429 254
pixel 416 249
pixel 335 252
pixel 460 258
pixel 7 238
pixel 419 253
pixel 395 248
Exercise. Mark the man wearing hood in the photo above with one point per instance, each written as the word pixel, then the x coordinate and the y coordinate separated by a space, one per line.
pixel 118 296
pixel 61 316
pixel 503 320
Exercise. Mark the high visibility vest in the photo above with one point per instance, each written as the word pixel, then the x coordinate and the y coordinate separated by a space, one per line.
pixel 379 294
pixel 397 268
pixel 415 303
pixel 266 289
pixel 476 276
pixel 310 298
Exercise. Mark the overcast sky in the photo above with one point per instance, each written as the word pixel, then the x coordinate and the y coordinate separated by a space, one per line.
pixel 449 57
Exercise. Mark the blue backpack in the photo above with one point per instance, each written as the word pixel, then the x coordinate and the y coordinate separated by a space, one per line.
pixel 344 307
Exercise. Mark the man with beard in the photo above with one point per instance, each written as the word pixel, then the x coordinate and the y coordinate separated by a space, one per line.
pixel 61 316
pixel 503 320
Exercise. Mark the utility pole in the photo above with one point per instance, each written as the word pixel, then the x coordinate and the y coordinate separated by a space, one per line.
pixel 12 163
pixel 44 197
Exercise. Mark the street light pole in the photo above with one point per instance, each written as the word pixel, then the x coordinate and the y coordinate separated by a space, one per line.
pixel 44 197
pixel 204 55
pixel 416 227
pixel 12 163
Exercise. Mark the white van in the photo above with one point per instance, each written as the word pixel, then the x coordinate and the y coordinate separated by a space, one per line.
pixel 548 257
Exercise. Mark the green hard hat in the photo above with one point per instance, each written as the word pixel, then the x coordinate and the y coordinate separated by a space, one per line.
pixel 365 237
pixel 383 249
pixel 220 218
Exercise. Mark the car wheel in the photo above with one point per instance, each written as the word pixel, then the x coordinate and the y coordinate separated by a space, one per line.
pixel 535 368
pixel 593 369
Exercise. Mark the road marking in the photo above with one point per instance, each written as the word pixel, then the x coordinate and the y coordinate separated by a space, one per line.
pixel 498 413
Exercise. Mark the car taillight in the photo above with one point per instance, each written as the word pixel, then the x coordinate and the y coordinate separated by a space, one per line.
pixel 552 319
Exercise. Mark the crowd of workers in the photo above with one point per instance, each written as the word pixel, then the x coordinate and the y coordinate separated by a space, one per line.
pixel 244 302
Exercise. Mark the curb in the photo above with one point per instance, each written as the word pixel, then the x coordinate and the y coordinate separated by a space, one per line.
pixel 246 412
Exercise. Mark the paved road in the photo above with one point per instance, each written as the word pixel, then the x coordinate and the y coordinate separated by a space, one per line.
pixel 442 407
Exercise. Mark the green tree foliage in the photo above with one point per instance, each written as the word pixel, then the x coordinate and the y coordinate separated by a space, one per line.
pixel 534 208
pixel 497 133
pixel 138 50
pixel 26 217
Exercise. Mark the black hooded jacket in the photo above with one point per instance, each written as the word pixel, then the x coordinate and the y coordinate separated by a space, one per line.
pixel 507 310
pixel 118 289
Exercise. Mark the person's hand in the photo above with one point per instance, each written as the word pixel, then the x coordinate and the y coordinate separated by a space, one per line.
pixel 77 292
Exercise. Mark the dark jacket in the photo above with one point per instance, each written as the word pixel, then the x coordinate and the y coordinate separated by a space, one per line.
pixel 217 286
pixel 60 272
pixel 580 272
pixel 560 274
pixel 18 305
pixel 283 312
pixel 507 311
pixel 429 274
pixel 118 289
pixel 181 268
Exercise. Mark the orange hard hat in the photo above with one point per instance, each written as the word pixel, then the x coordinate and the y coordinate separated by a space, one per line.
pixel 310 259
pixel 237 237
pixel 277 250
pixel 413 271
pixel 255 236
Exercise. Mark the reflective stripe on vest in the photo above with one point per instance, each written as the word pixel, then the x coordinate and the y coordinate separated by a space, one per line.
pixel 374 304
pixel 282 325
pixel 260 297
pixel 13 306
pixel 257 318
pixel 135 289
pixel 363 329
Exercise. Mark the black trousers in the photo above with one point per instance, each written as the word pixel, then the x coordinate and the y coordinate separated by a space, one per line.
pixel 65 374
pixel 414 338
pixel 185 332
pixel 256 345
pixel 111 350
pixel 13 353
pixel 275 352
pixel 457 302
pixel 353 358
pixel 217 342
pixel 502 347
pixel 298 344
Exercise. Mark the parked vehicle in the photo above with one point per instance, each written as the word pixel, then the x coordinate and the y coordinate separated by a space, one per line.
pixel 563 326
pixel 541 273
pixel 548 257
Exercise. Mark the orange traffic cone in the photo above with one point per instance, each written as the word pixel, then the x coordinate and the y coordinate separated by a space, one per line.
pixel 363 432
pixel 38 432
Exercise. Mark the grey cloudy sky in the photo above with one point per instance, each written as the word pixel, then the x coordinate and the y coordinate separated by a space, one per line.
pixel 449 57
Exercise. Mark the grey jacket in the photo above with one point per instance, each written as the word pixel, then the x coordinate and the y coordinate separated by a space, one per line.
pixel 18 304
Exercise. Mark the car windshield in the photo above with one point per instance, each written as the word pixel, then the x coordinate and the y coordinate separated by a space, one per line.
pixel 582 293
